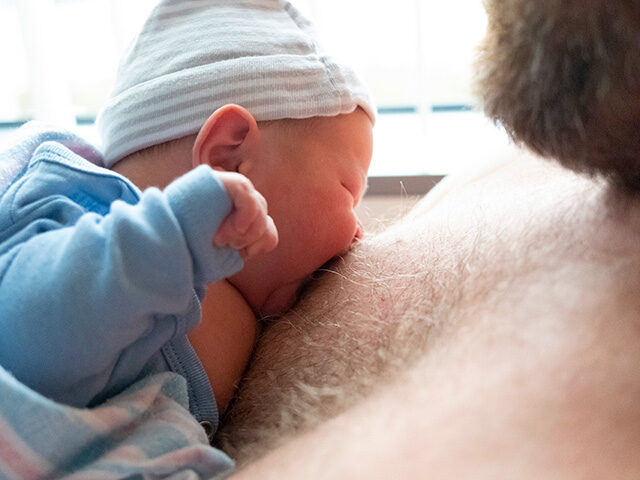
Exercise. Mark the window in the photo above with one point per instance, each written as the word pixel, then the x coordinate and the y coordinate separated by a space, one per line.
pixel 415 55
pixel 15 95
pixel 62 55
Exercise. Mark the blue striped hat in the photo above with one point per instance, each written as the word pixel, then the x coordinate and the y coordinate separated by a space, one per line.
pixel 194 56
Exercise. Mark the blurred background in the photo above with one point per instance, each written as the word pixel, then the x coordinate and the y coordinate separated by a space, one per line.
pixel 59 58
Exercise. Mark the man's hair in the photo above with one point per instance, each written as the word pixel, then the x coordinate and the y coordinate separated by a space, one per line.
pixel 563 77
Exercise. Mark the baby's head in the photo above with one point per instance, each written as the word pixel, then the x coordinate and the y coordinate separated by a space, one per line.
pixel 240 85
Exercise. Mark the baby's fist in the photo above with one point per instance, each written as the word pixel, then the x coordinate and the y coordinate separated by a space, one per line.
pixel 247 228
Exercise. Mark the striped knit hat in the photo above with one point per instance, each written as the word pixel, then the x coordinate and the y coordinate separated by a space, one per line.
pixel 194 56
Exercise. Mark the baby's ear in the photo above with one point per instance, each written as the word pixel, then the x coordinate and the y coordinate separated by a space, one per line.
pixel 225 139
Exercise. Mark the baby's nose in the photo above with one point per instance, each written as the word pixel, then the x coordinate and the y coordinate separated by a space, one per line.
pixel 359 232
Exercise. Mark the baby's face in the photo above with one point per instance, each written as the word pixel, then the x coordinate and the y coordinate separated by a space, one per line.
pixel 313 176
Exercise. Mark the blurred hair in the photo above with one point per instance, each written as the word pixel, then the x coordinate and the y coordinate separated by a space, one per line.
pixel 563 78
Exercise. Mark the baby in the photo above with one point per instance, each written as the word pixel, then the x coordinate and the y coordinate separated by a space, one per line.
pixel 258 147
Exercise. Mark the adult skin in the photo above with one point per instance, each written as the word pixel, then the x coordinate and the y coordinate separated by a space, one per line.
pixel 492 333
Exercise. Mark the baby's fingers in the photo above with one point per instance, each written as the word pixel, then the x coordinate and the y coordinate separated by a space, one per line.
pixel 267 241
pixel 255 231
pixel 261 237
pixel 248 208
pixel 224 234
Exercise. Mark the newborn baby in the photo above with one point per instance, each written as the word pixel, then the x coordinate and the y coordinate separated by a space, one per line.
pixel 243 127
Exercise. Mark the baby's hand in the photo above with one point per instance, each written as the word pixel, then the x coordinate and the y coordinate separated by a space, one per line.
pixel 247 228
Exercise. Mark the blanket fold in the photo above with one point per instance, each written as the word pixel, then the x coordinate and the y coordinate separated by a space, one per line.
pixel 145 432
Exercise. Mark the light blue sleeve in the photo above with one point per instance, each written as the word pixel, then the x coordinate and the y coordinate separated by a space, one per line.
pixel 73 298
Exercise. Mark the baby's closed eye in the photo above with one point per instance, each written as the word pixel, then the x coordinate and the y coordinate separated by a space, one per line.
pixel 353 191
pixel 356 188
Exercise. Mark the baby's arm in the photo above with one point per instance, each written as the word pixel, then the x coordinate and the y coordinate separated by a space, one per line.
pixel 75 299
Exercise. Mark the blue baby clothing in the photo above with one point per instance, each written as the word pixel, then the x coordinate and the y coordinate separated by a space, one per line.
pixel 100 282
pixel 144 432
